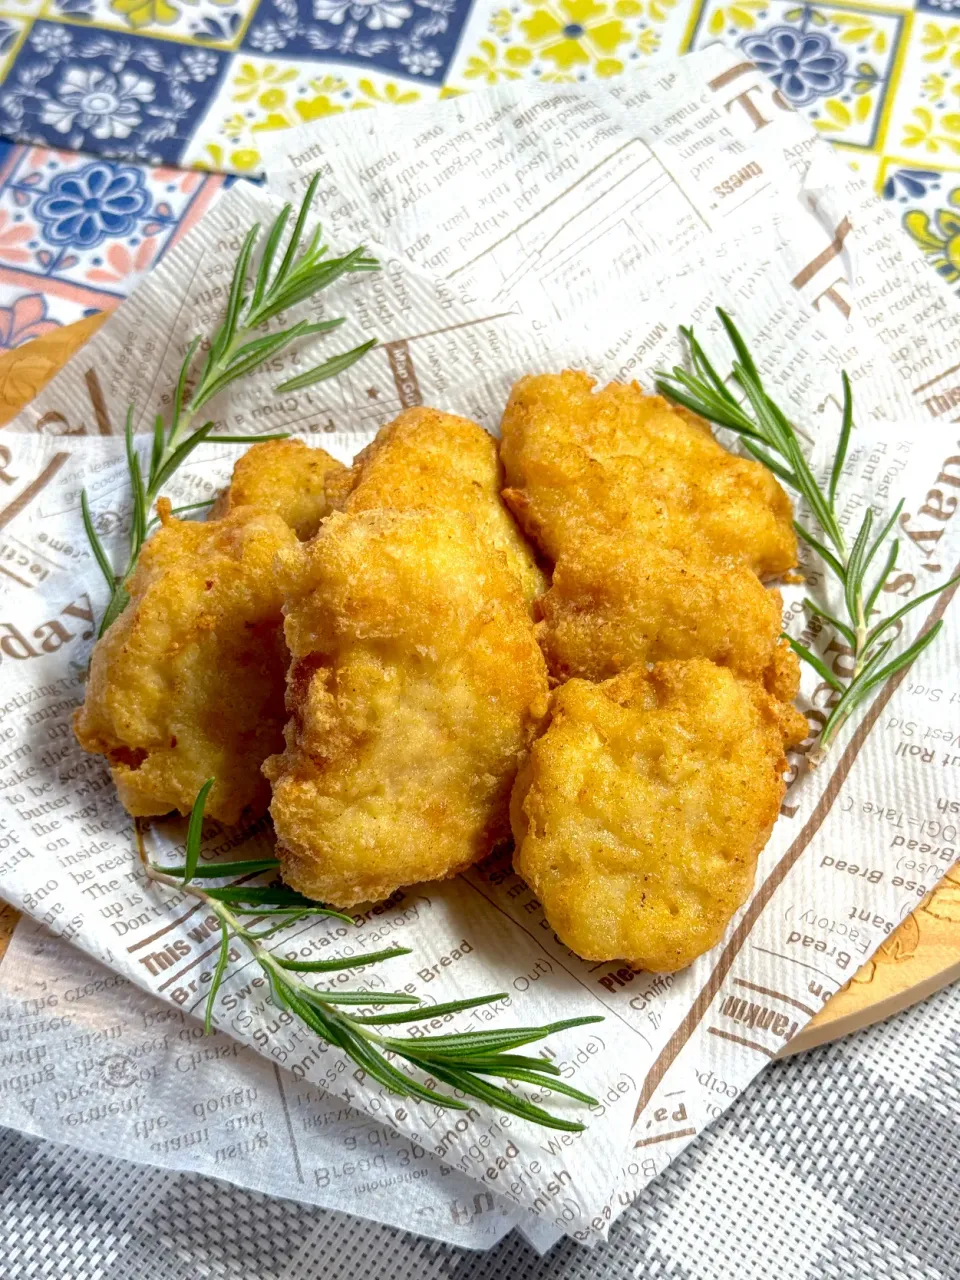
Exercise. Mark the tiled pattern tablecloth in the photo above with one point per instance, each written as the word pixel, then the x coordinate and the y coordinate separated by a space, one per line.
pixel 142 86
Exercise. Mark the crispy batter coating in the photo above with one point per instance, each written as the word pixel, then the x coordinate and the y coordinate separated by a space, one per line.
pixel 416 686
pixel 618 461
pixel 285 476
pixel 187 684
pixel 425 458
pixel 615 601
pixel 641 811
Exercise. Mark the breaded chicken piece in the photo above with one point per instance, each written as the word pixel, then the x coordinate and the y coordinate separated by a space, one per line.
pixel 415 688
pixel 616 601
pixel 188 682
pixel 425 458
pixel 285 476
pixel 618 461
pixel 641 812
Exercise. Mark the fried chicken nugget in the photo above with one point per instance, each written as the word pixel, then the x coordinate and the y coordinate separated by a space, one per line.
pixel 425 458
pixel 615 601
pixel 188 682
pixel 416 686
pixel 641 812
pixel 285 476
pixel 618 461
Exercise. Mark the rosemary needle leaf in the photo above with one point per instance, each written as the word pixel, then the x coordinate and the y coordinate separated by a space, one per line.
pixel 356 997
pixel 532 1077
pixel 138 526
pixel 493 1060
pixel 771 463
pixel 159 438
pixel 880 539
pixel 262 439
pixel 396 1081
pixel 182 452
pixel 845 429
pixel 510 1102
pixel 217 976
pixel 269 253
pixel 853 583
pixel 214 870
pixel 822 670
pixel 96 546
pixel 118 602
pixel 273 341
pixel 294 245
pixel 329 369
pixel 904 659
pixel 884 574
pixel 179 395
pixel 733 333
pixel 482 1042
pixel 706 369
pixel 228 330
pixel 429 1010
pixel 292 913
pixel 277 895
pixel 847 632
pixel 343 962
pixel 821 550
pixel 894 618
pixel 194 832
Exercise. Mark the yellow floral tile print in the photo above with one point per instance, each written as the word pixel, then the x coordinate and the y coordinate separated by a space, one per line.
pixel 859 29
pixel 308 109
pixel 577 35
pixel 241 160
pixel 837 116
pixel 933 87
pixel 145 13
pixel 485 64
pixel 939 236
pixel 742 15
pixel 263 84
pixel 940 43
pixel 389 93
pixel 932 135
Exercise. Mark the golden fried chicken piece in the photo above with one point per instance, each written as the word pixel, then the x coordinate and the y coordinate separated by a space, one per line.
pixel 618 461
pixel 415 688
pixel 425 458
pixel 616 601
pixel 187 684
pixel 641 812
pixel 285 476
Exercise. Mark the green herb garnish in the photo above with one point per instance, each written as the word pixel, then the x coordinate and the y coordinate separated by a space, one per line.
pixel 462 1060
pixel 236 350
pixel 770 437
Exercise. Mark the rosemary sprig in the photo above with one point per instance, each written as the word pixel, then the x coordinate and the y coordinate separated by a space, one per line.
pixel 770 437
pixel 463 1060
pixel 235 351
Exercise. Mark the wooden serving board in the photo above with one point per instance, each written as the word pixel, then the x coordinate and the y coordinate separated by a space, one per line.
pixel 920 956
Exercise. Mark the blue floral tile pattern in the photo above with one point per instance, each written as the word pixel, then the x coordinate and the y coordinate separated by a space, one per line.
pixel 138 84
pixel 90 90
pixel 802 64
pixel 77 232
pixel 85 208
pixel 838 64
pixel 414 38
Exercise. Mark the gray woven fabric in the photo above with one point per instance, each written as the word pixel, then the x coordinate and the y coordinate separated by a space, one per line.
pixel 842 1163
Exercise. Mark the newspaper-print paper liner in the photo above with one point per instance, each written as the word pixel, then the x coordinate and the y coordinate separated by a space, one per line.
pixel 819 279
